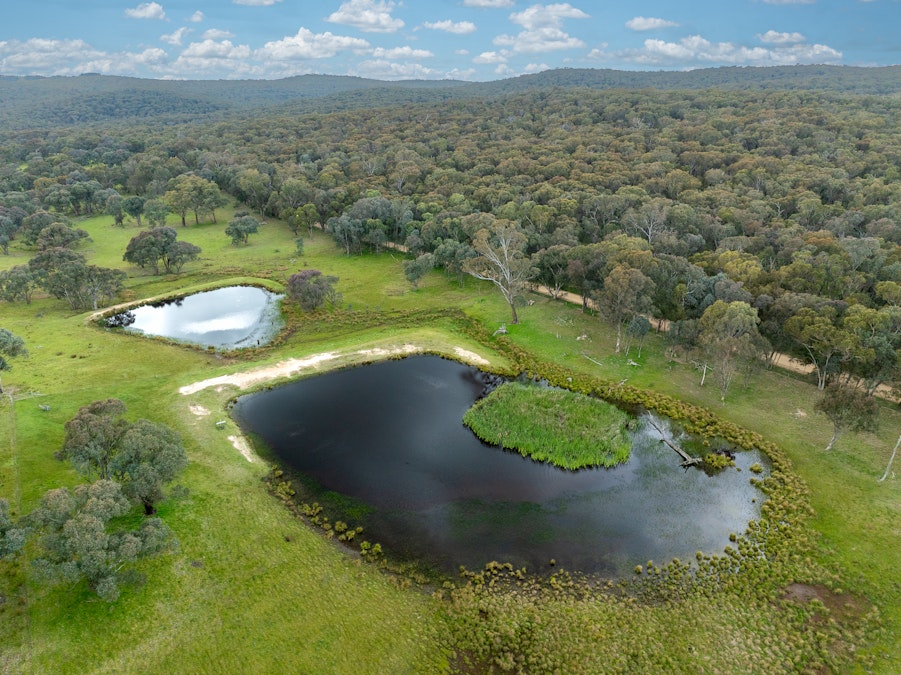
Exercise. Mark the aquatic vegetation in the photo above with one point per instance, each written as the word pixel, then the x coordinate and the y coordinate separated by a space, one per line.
pixel 561 427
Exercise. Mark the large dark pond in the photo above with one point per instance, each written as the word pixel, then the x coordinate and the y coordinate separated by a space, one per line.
pixel 226 318
pixel 390 436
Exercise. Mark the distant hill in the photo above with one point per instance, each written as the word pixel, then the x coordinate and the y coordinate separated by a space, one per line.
pixel 35 102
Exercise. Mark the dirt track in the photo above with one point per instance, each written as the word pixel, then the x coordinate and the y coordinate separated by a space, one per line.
pixel 783 361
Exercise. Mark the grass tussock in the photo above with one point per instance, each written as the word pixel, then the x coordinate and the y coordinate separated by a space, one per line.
pixel 561 427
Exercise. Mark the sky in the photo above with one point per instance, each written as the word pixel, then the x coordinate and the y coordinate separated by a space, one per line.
pixel 473 40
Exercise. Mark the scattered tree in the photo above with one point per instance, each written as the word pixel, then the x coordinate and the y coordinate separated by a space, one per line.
pixel 93 437
pixel 149 456
pixel 823 343
pixel 848 407
pixel 626 292
pixel 417 268
pixel 311 289
pixel 11 346
pixel 501 259
pixel 134 206
pixel 12 538
pixel 241 227
pixel 58 235
pixel 155 211
pixel 160 245
pixel 888 467
pixel 730 341
pixel 80 538
pixel 19 283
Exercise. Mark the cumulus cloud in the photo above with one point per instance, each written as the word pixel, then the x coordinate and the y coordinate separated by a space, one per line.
pixel 146 10
pixel 789 2
pixel 392 70
pixel 546 16
pixel 775 38
pixel 401 53
pixel 535 68
pixel 369 16
pixel 490 57
pixel 216 34
pixel 39 56
pixel 487 3
pixel 309 45
pixel 696 51
pixel 256 3
pixel 649 23
pixel 176 37
pixel 196 17
pixel 543 29
pixel 211 57
pixel 448 26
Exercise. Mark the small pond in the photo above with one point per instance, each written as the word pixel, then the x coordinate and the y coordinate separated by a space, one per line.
pixel 226 318
pixel 386 442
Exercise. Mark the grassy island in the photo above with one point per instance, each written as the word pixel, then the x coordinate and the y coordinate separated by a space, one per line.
pixel 569 430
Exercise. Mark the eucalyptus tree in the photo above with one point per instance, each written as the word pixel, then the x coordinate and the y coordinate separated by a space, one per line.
pixel 501 259
pixel 626 292
pixel 12 536
pixel 729 338
pixel 848 407
pixel 311 289
pixel 81 537
pixel 11 346
pixel 241 227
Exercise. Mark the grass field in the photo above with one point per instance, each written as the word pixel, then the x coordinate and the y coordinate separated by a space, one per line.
pixel 253 589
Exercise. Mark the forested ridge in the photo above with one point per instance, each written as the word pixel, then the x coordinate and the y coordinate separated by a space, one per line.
pixel 648 202
pixel 38 102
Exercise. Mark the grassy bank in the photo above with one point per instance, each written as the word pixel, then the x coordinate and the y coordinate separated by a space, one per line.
pixel 254 589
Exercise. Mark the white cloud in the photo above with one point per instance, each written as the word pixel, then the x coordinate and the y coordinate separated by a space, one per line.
pixel 775 38
pixel 401 53
pixel 457 74
pixel 39 56
pixel 487 3
pixel 649 23
pixel 490 57
pixel 546 16
pixel 392 70
pixel 543 32
pixel 217 34
pixel 456 27
pixel 211 57
pixel 535 68
pixel 213 49
pixel 461 52
pixel 196 17
pixel 369 16
pixel 146 10
pixel 176 37
pixel 256 3
pixel 696 51
pixel 789 2
pixel 308 45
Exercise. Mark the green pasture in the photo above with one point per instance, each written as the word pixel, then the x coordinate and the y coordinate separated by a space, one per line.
pixel 253 589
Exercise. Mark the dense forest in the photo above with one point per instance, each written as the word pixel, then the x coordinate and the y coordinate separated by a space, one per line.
pixel 90 99
pixel 643 202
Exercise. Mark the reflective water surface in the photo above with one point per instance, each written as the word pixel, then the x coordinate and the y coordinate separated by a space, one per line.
pixel 225 318
pixel 388 438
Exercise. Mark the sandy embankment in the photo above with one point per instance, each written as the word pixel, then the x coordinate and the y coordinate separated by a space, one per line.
pixel 290 367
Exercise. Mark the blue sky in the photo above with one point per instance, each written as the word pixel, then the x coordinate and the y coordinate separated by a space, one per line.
pixel 435 39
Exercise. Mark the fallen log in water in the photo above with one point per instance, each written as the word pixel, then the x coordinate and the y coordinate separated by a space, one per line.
pixel 687 460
